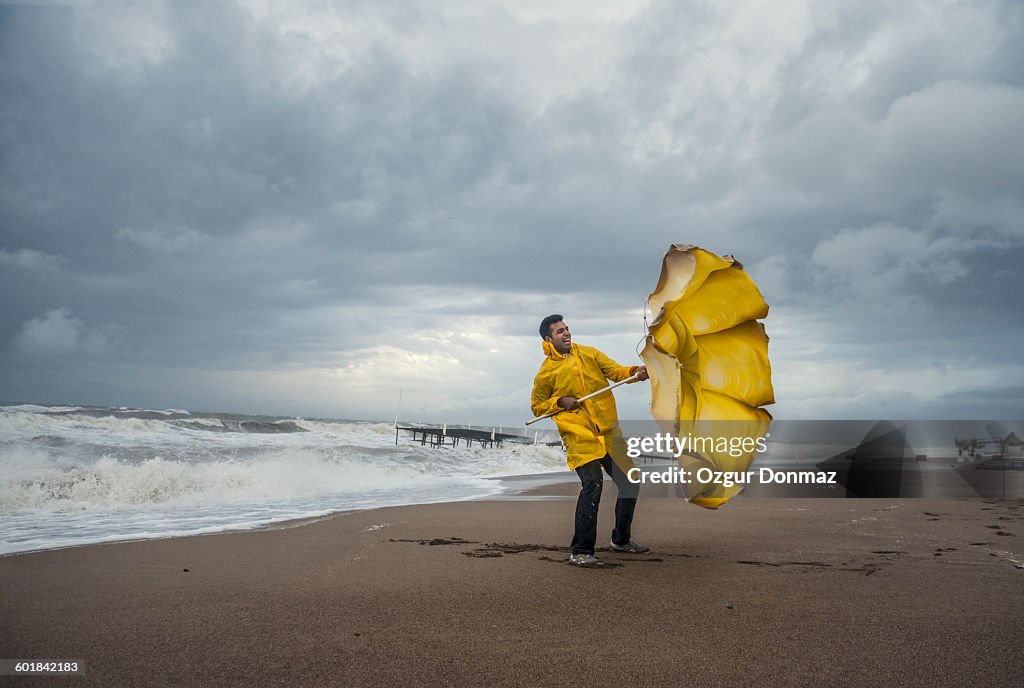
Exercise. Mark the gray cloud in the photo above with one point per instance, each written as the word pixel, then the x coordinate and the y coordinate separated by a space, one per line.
pixel 282 208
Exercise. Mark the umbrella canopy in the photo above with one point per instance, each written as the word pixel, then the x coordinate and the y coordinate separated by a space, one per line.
pixel 707 357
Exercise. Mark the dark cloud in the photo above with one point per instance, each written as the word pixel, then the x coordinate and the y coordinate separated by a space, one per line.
pixel 288 209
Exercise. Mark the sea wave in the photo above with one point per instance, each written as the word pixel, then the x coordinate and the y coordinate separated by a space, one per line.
pixel 110 482
pixel 35 408
pixel 91 475
pixel 77 461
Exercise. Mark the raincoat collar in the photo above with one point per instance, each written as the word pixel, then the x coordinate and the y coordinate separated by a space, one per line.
pixel 551 352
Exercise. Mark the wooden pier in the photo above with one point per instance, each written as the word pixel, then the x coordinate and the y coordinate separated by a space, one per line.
pixel 452 437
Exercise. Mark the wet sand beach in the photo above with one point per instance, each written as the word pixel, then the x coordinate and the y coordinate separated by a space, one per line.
pixel 766 592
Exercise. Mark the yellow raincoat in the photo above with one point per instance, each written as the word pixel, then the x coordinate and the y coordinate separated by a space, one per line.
pixel 592 430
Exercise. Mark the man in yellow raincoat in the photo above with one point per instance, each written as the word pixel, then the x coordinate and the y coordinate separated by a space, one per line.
pixel 590 431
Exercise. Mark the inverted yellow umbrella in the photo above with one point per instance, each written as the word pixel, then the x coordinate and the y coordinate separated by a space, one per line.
pixel 707 357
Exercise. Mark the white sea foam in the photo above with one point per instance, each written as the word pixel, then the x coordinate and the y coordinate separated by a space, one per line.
pixel 94 475
pixel 35 408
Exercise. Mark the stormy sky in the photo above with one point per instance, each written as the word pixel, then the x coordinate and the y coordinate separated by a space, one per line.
pixel 314 208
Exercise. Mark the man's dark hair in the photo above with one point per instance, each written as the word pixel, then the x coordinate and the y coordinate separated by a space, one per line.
pixel 546 323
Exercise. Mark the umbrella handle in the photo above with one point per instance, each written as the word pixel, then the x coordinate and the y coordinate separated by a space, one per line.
pixel 631 378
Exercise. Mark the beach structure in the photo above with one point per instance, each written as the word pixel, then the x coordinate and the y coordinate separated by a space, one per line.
pixel 989 447
pixel 1013 446
pixel 442 436
pixel 992 452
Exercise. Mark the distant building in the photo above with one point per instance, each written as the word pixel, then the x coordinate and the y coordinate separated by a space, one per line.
pixel 1013 446
pixel 980 449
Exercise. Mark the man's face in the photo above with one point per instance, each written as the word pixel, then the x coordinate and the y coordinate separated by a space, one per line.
pixel 560 337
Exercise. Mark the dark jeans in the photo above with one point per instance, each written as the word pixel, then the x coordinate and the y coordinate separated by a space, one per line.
pixel 592 480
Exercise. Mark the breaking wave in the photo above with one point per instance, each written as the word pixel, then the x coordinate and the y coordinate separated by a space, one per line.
pixel 72 475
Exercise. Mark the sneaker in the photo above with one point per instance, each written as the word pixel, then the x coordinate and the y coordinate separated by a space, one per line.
pixel 585 560
pixel 630 547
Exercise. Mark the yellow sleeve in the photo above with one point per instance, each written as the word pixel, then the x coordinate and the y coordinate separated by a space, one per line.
pixel 610 369
pixel 542 400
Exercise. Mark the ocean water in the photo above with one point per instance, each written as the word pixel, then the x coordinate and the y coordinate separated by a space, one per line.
pixel 79 475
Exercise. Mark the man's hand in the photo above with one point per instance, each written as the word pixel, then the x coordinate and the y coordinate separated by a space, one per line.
pixel 641 373
pixel 569 403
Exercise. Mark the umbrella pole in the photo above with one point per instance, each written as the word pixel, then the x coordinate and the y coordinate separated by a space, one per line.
pixel 631 378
